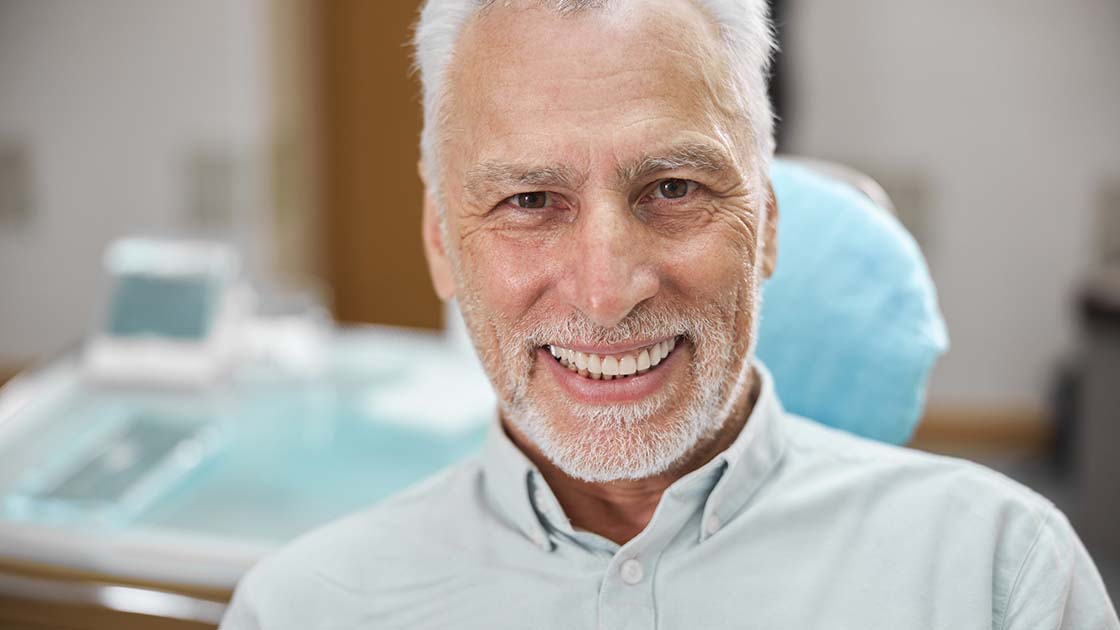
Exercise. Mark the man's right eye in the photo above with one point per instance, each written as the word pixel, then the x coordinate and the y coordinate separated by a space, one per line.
pixel 530 200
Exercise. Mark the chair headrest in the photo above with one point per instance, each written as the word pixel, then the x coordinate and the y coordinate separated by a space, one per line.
pixel 850 326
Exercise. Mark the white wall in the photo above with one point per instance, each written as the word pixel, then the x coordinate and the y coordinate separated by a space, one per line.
pixel 1004 115
pixel 111 99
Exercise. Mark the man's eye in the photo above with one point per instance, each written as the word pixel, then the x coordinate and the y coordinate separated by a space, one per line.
pixel 531 200
pixel 674 188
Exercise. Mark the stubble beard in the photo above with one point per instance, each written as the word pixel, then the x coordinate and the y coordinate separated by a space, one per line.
pixel 600 443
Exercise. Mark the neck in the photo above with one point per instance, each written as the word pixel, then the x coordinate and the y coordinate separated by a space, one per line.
pixel 620 510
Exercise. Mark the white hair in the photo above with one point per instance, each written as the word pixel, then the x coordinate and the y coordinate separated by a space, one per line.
pixel 744 25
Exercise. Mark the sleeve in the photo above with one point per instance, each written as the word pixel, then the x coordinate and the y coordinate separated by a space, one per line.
pixel 278 593
pixel 1058 587
pixel 241 614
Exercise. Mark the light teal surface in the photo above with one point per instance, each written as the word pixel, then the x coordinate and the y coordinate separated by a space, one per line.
pixel 292 464
pixel 288 454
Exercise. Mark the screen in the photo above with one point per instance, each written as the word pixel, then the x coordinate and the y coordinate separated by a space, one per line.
pixel 180 307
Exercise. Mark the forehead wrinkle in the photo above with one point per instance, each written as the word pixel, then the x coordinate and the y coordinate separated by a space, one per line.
pixel 697 156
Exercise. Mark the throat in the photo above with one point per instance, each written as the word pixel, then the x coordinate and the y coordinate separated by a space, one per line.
pixel 616 516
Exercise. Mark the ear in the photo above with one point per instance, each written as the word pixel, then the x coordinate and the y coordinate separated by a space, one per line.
pixel 439 266
pixel 769 232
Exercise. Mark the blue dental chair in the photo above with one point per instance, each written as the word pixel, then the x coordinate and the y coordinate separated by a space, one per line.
pixel 850 326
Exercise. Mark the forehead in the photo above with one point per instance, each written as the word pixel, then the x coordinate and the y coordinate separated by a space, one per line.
pixel 526 79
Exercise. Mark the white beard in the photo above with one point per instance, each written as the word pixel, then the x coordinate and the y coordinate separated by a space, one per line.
pixel 616 442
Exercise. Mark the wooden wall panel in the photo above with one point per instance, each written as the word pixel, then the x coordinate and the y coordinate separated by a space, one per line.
pixel 371 126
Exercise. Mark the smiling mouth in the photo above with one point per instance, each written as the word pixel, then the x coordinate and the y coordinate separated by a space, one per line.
pixel 613 366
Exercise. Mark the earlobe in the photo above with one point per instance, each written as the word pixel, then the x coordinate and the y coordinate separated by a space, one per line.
pixel 769 233
pixel 439 265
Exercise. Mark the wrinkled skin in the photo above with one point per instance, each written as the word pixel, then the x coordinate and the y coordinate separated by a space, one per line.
pixel 588 110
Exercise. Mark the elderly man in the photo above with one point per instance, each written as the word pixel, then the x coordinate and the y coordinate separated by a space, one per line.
pixel 598 201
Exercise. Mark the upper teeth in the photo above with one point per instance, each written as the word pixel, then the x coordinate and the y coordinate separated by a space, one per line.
pixel 608 366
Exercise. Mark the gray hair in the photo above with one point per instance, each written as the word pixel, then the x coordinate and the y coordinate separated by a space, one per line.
pixel 744 25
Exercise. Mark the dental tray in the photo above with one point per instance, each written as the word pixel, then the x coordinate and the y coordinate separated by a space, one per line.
pixel 260 458
pixel 126 457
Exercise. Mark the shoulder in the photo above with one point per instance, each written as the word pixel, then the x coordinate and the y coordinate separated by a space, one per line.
pixel 336 567
pixel 925 480
pixel 1056 585
pixel 928 510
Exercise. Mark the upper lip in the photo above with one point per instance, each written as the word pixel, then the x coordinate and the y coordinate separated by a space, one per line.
pixel 611 349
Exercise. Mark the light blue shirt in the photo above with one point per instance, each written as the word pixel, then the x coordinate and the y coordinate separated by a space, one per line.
pixel 795 526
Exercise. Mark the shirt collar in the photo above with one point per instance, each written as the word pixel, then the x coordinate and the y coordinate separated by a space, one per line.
pixel 508 482
pixel 520 494
pixel 750 459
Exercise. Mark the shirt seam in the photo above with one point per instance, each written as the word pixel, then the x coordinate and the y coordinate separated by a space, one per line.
pixel 1023 566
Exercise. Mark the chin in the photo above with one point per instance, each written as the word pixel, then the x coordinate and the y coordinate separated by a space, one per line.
pixel 600 443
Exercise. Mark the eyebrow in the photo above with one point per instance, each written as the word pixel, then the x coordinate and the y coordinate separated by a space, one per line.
pixel 489 176
pixel 699 156
pixel 486 178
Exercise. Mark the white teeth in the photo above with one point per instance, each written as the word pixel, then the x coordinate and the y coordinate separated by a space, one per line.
pixel 643 360
pixel 610 367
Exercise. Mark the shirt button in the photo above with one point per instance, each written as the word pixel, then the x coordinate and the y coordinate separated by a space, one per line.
pixel 713 524
pixel 631 571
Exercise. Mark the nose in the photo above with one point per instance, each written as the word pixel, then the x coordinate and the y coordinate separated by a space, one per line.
pixel 611 268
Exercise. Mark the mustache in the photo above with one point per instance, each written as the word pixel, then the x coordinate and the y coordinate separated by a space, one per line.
pixel 642 322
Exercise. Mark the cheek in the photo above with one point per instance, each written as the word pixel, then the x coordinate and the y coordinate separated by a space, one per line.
pixel 507 276
pixel 715 263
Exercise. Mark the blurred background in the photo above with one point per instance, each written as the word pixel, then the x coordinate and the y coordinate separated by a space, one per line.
pixel 288 128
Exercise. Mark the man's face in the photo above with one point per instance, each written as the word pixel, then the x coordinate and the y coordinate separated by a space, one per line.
pixel 600 212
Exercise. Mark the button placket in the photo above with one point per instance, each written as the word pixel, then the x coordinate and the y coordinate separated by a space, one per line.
pixel 626 597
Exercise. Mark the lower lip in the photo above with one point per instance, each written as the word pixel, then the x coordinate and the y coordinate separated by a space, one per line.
pixel 617 390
